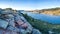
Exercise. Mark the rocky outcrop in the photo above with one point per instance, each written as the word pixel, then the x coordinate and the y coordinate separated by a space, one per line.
pixel 3 24
pixel 14 23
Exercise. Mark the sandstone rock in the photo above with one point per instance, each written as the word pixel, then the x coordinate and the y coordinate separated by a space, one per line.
pixel 13 29
pixel 9 32
pixel 3 24
pixel 9 18
pixel 2 31
pixel 10 21
pixel 29 28
pixel 18 20
pixel 24 25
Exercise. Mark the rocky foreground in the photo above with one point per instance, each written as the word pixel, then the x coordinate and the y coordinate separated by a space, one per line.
pixel 13 22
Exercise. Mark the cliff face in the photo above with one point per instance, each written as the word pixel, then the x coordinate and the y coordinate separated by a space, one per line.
pixel 13 22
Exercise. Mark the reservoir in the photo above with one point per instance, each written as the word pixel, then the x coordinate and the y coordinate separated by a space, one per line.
pixel 49 18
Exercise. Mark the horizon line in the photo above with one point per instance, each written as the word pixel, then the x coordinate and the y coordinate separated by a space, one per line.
pixel 31 9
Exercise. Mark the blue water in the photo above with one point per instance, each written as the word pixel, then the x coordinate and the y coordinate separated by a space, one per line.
pixel 45 17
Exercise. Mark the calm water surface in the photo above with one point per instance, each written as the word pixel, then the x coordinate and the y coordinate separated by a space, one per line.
pixel 44 17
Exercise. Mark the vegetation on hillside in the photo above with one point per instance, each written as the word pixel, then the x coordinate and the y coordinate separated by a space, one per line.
pixel 52 11
pixel 43 26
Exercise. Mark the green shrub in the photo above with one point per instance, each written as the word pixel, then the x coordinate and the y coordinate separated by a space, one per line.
pixel 43 26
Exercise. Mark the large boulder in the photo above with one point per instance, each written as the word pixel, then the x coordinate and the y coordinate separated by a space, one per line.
pixel 17 19
pixel 35 31
pixel 11 28
pixel 21 20
pixel 11 20
pixel 29 29
pixel 3 24
pixel 3 31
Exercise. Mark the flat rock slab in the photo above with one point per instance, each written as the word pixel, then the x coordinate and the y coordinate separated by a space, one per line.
pixel 3 24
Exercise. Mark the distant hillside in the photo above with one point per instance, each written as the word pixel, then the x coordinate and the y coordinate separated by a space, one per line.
pixel 51 11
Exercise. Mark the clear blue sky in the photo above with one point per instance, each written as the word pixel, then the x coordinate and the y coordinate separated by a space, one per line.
pixel 29 4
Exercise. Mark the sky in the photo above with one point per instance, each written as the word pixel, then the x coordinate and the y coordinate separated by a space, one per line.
pixel 29 4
